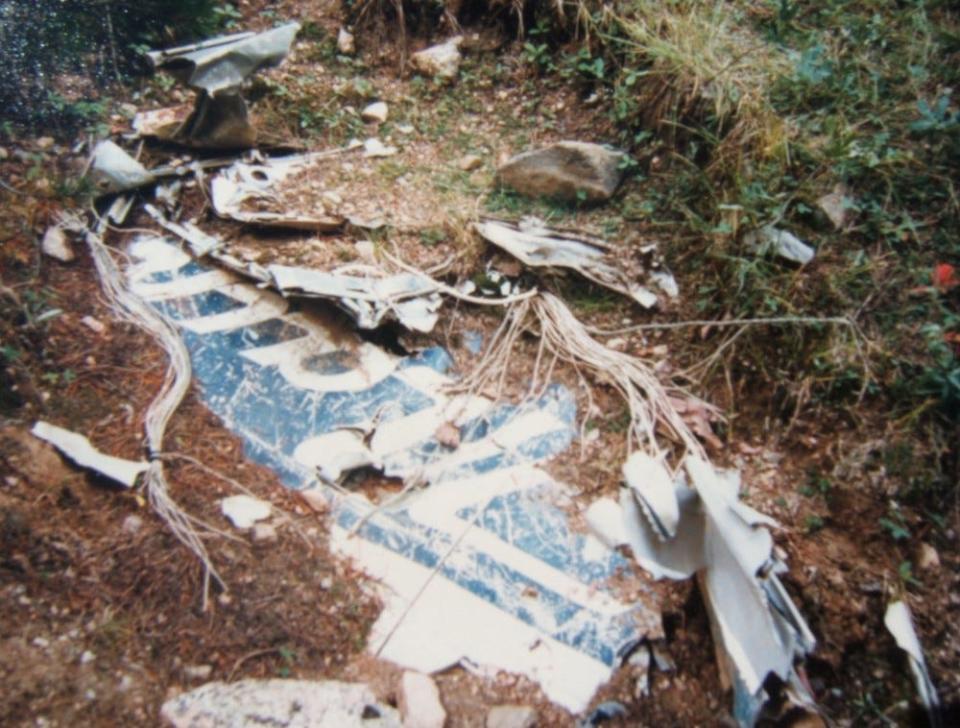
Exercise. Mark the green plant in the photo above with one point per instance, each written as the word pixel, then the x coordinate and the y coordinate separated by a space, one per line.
pixel 95 41
pixel 895 525
pixel 905 572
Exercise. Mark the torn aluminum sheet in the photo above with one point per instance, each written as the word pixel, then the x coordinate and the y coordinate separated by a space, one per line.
pixel 899 622
pixel 483 565
pixel 78 448
pixel 224 63
pixel 281 703
pixel 113 170
pixel 365 292
pixel 216 69
pixel 539 246
pixel 232 191
pixel 412 299
pixel 788 246
pixel 244 510
pixel 756 626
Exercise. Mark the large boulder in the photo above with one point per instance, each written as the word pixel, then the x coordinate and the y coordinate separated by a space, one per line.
pixel 574 171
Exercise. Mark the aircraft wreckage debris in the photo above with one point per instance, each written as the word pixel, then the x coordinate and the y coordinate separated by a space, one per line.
pixel 482 558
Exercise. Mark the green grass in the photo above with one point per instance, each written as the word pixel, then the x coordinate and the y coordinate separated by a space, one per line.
pixel 757 110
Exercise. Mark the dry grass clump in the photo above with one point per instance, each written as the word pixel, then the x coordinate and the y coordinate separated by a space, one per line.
pixel 696 67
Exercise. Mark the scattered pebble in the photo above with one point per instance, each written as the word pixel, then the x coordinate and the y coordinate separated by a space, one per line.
pixel 346 43
pixel 374 148
pixel 197 672
pixel 375 112
pixel 470 162
pixel 132 524
pixel 93 324
pixel 264 532
pixel 87 657
pixel 927 558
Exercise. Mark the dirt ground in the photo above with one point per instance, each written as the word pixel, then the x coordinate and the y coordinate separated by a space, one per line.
pixel 104 617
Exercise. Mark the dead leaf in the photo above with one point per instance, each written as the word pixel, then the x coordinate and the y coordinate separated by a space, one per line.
pixel 698 415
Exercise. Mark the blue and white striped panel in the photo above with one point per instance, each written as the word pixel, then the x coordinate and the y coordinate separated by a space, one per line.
pixel 295 393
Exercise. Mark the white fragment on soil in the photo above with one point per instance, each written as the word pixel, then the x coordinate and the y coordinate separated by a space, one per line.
pixel 640 662
pixel 780 242
pixel 375 113
pixel 420 702
pixel 375 149
pixel 405 128
pixel 78 448
pixel 197 672
pixel 265 532
pixel 836 206
pixel 654 490
pixel 56 245
pixel 113 170
pixel 440 61
pixel 87 657
pixel 666 282
pixel 279 703
pixel 899 621
pixel 346 43
pixel 244 510
pixel 132 524
pixel 366 249
pixel 93 324
pixel 511 716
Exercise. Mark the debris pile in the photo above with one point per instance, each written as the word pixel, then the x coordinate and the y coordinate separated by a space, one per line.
pixel 481 557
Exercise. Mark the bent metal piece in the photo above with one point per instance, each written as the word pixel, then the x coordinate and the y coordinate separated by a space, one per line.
pixel 216 69
pixel 541 247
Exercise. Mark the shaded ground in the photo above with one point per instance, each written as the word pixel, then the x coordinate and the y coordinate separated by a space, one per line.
pixel 104 616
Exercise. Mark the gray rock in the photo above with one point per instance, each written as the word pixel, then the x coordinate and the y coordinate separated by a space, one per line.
pixel 279 703
pixel 375 112
pixel 470 162
pixel 566 170
pixel 512 716
pixel 440 61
